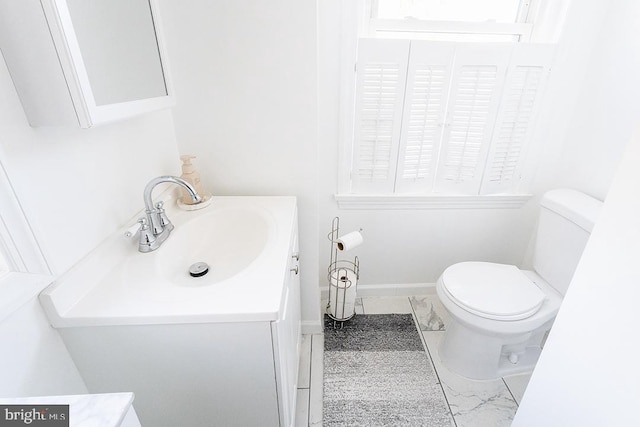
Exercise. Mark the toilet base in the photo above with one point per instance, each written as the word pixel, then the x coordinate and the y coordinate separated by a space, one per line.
pixel 480 356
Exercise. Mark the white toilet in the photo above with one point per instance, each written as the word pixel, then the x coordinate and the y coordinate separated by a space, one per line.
pixel 500 315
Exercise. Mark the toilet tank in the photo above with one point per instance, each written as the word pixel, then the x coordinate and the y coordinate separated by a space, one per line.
pixel 566 220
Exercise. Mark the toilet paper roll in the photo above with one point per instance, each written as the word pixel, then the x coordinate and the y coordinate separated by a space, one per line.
pixel 349 241
pixel 342 293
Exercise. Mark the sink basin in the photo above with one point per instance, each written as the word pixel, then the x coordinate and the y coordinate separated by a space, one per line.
pixel 228 240
pixel 244 240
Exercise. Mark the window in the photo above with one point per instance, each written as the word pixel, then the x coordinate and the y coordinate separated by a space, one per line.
pixel 451 20
pixel 443 118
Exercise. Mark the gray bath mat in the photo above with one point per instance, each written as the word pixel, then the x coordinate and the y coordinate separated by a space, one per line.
pixel 376 373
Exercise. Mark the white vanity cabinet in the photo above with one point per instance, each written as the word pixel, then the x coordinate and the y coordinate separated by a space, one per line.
pixel 79 62
pixel 190 371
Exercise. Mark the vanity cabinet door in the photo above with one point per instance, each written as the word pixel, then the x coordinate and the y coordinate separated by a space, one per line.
pixel 80 62
pixel 286 335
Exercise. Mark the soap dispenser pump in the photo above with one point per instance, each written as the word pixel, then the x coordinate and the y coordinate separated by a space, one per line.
pixel 191 175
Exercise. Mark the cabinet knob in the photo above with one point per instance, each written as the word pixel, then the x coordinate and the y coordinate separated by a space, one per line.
pixel 296 256
pixel 294 269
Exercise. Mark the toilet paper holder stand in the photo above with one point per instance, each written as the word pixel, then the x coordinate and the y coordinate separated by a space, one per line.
pixel 343 278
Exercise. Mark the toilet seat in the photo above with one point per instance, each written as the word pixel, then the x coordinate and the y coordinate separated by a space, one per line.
pixel 492 291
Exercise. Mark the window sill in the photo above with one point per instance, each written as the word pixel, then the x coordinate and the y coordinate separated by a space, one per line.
pixel 501 201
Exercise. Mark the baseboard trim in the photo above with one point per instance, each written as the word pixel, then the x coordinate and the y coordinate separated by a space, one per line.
pixel 387 290
pixel 310 327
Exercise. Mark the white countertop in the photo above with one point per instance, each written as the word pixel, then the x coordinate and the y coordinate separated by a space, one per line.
pixel 85 410
pixel 94 293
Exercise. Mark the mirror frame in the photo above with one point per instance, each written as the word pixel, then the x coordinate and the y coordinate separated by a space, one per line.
pixel 69 53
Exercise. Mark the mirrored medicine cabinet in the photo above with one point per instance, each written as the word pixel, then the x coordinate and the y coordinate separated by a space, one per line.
pixel 85 62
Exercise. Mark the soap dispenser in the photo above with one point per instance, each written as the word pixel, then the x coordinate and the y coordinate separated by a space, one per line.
pixel 191 175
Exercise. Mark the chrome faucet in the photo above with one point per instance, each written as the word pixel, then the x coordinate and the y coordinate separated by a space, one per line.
pixel 155 228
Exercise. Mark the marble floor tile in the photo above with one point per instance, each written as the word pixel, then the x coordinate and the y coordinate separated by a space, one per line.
pixel 431 314
pixel 386 305
pixel 359 306
pixel 473 403
pixel 517 384
pixel 302 408
pixel 304 367
pixel 317 377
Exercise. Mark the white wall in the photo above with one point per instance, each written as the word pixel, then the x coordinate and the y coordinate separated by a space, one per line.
pixel 588 373
pixel 76 187
pixel 590 112
pixel 244 74
pixel 33 358
pixel 590 108
pixel 606 106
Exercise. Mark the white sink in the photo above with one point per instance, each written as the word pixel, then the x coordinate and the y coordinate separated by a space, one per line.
pixel 244 241
pixel 227 239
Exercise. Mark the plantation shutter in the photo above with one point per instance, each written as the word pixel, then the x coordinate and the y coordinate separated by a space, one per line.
pixel 428 77
pixel 380 84
pixel 476 83
pixel 527 73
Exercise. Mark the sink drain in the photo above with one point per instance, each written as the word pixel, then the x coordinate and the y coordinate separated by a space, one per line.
pixel 198 269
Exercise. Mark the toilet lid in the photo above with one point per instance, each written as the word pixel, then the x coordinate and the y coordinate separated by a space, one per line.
pixel 493 291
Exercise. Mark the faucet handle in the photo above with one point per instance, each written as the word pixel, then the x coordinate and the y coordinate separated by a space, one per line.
pixel 143 224
pixel 146 235
pixel 165 223
pixel 133 230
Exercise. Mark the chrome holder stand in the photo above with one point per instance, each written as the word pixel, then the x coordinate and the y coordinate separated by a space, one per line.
pixel 343 281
